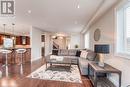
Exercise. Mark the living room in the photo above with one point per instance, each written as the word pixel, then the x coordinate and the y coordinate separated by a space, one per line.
pixel 76 43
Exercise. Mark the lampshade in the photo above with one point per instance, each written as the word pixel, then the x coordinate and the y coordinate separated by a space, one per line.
pixel 101 48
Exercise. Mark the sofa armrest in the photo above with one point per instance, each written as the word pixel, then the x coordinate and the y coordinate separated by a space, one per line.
pixel 47 58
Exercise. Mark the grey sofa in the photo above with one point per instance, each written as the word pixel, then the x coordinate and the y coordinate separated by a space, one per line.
pixel 81 62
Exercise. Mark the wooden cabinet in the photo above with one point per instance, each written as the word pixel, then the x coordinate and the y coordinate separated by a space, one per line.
pixel 18 40
pixel 22 40
pixel 14 57
pixel 1 39
pixel 28 40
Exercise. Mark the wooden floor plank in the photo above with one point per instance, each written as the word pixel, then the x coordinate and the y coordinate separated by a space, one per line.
pixel 22 81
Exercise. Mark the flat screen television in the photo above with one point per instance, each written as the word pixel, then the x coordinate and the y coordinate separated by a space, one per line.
pixel 8 43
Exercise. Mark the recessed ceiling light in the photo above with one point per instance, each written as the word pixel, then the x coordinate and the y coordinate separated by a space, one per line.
pixel 29 11
pixel 78 6
pixel 76 22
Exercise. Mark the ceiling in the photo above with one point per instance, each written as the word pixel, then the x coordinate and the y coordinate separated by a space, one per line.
pixel 52 15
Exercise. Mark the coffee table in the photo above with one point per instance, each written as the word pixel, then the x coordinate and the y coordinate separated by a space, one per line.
pixel 65 61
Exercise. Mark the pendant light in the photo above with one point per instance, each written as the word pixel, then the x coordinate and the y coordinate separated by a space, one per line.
pixel 4 30
pixel 13 37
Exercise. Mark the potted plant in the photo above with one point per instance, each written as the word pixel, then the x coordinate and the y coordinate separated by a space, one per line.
pixel 76 46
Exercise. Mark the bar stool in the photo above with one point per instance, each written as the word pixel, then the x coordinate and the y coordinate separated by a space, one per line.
pixel 6 52
pixel 21 51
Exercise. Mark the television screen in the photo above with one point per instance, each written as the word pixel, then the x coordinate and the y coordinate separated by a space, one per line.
pixel 8 43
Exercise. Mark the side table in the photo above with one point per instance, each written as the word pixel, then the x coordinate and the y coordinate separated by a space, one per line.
pixel 107 69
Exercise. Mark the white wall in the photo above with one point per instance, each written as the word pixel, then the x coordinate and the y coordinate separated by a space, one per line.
pixel 76 39
pixel 48 43
pixel 82 42
pixel 35 42
pixel 107 26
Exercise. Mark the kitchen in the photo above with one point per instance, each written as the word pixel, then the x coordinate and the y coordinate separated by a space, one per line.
pixel 13 43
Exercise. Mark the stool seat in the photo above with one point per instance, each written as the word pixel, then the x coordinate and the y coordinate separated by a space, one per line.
pixel 5 51
pixel 21 50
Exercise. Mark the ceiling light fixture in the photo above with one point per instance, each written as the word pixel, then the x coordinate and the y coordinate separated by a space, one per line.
pixel 77 3
pixel 4 30
pixel 29 11
pixel 13 36
pixel 78 6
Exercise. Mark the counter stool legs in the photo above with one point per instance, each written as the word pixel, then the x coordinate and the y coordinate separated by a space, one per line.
pixel 21 69
pixel 6 71
pixel 21 52
pixel 21 59
pixel 6 60
pixel 21 63
pixel 6 65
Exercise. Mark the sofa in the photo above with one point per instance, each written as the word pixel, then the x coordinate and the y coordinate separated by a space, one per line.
pixel 75 54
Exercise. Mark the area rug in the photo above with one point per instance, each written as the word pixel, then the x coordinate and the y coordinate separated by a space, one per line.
pixel 57 73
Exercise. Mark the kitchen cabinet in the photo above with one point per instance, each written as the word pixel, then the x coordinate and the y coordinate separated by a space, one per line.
pixel 28 40
pixel 18 40
pixel 22 40
pixel 1 39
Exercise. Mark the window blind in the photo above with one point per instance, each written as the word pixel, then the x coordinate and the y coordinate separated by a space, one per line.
pixel 128 29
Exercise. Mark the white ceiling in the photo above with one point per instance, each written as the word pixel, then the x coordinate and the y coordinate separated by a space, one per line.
pixel 52 15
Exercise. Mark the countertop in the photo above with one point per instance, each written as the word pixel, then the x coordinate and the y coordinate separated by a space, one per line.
pixel 17 47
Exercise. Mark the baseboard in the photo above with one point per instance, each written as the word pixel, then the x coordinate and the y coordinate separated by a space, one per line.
pixel 32 60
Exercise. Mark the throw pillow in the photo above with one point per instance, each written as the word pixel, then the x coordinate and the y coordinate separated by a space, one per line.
pixel 63 52
pixel 78 53
pixel 54 52
pixel 91 56
pixel 84 54
pixel 72 52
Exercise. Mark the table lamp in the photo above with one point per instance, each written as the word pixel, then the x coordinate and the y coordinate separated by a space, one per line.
pixel 101 49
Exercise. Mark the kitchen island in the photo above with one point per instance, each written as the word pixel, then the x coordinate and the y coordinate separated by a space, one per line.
pixel 14 57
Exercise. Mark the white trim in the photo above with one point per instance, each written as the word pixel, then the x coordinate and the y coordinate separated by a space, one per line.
pixel 124 55
pixel 116 53
pixel 34 59
pixel 94 17
pixel 115 34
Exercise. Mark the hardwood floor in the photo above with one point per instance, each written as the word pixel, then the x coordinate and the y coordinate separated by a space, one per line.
pixel 18 79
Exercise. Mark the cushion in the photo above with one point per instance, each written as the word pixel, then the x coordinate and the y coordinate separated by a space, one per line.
pixel 78 53
pixel 72 52
pixel 54 52
pixel 72 57
pixel 59 52
pixel 91 55
pixel 83 54
pixel 57 58
pixel 83 62
pixel 63 52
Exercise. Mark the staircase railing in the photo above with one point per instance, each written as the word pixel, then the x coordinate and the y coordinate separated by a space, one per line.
pixel 55 46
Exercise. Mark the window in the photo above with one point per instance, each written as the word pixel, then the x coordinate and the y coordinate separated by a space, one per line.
pixel 123 30
pixel 87 40
pixel 128 29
